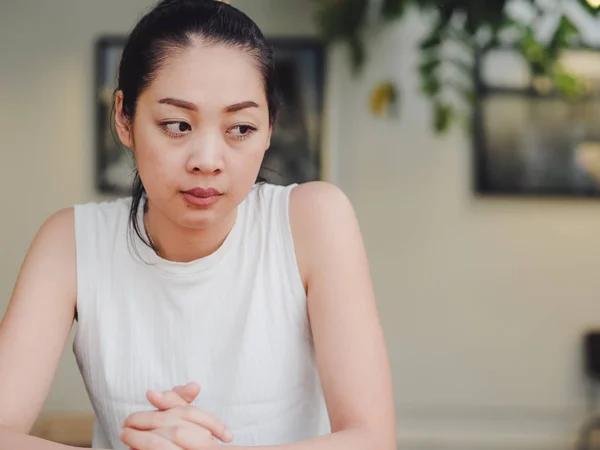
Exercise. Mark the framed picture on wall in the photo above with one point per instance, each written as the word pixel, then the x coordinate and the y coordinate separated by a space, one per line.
pixel 114 164
pixel 296 149
pixel 528 138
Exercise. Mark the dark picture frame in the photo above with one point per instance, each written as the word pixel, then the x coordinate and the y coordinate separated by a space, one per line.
pixel 296 145
pixel 114 164
pixel 528 139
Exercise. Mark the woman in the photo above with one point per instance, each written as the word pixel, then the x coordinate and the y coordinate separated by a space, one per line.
pixel 258 295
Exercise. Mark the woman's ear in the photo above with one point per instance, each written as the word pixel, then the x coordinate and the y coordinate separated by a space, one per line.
pixel 268 144
pixel 122 123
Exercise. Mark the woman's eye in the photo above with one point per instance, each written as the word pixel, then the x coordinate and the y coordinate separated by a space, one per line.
pixel 176 128
pixel 242 131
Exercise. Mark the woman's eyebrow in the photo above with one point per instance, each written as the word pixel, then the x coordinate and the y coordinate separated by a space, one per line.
pixel 192 107
pixel 178 103
pixel 239 106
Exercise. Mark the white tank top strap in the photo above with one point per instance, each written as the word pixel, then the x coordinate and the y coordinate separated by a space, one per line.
pixel 98 229
pixel 270 206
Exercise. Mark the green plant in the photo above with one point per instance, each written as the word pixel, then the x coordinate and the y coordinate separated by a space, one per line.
pixel 473 27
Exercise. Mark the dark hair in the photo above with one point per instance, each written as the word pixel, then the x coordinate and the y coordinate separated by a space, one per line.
pixel 170 27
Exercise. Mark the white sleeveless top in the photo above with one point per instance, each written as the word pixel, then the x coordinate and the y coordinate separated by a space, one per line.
pixel 235 322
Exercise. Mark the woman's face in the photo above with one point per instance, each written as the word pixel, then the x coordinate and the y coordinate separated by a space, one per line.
pixel 199 134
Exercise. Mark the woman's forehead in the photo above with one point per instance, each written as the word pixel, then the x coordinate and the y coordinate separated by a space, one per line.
pixel 210 67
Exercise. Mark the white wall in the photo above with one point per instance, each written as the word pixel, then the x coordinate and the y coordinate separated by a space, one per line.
pixel 483 301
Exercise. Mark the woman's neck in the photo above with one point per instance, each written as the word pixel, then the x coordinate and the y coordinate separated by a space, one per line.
pixel 180 244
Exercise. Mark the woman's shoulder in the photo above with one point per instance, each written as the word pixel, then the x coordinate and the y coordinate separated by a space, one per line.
pixel 305 203
pixel 302 196
pixel 320 213
pixel 64 221
pixel 318 198
pixel 59 224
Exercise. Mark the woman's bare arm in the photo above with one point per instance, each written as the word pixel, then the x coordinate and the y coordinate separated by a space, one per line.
pixel 34 330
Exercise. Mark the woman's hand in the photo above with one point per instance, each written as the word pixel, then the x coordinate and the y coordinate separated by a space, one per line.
pixel 176 425
pixel 178 396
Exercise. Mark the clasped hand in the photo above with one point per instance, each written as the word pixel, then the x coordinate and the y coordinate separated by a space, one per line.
pixel 175 425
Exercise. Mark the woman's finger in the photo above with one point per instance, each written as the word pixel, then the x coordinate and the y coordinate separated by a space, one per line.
pixel 150 420
pixel 189 392
pixel 146 440
pixel 196 438
pixel 165 400
pixel 205 420
pixel 178 396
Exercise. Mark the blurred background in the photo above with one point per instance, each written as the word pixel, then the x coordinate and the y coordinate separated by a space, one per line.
pixel 482 234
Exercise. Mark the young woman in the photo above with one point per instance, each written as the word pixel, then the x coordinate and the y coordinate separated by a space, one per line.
pixel 258 295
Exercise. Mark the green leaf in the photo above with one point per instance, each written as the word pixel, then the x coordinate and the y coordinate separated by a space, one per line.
pixel 535 53
pixel 431 86
pixel 445 13
pixel 346 20
pixel 587 6
pixel 569 85
pixel 432 41
pixel 393 9
pixel 428 67
pixel 511 23
pixel 443 116
pixel 562 36
pixel 357 53
pixel 341 20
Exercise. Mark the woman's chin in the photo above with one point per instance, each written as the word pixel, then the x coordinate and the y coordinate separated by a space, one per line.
pixel 203 219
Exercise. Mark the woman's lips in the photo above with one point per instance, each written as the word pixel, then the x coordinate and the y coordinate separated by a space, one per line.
pixel 201 196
